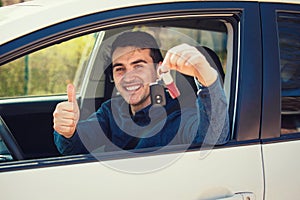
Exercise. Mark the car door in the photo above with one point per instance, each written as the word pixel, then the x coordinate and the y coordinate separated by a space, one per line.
pixel 280 124
pixel 230 171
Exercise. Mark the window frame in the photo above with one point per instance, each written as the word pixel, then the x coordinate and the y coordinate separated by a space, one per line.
pixel 271 101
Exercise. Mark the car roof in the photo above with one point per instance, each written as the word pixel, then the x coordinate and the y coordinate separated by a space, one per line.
pixel 21 19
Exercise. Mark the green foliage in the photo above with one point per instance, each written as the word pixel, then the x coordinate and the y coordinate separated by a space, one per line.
pixel 12 80
pixel 50 69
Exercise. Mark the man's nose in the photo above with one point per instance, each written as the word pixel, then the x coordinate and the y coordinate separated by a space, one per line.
pixel 129 75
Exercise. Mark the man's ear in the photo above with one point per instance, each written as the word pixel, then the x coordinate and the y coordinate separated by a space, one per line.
pixel 157 65
pixel 109 72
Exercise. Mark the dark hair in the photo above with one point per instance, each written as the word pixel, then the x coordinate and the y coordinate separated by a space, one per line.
pixel 141 40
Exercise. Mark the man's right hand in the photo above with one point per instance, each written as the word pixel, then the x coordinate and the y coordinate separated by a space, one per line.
pixel 66 114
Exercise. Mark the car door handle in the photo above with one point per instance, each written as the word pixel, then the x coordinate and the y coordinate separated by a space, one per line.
pixel 240 196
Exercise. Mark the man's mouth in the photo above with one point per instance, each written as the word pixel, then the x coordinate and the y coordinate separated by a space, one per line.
pixel 132 88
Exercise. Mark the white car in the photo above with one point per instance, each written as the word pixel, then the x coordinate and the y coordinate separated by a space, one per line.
pixel 47 44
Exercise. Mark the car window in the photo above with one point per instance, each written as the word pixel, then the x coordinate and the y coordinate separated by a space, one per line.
pixel 47 71
pixel 289 42
pixel 84 60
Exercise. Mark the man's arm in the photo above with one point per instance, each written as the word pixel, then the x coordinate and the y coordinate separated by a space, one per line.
pixel 211 123
pixel 214 119
pixel 69 146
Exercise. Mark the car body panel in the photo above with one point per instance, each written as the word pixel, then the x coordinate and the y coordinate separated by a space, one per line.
pixel 281 160
pixel 64 10
pixel 145 177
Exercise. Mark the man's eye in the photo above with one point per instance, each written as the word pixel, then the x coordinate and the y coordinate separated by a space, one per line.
pixel 119 69
pixel 138 66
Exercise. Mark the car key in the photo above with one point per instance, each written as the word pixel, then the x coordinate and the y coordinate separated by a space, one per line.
pixel 157 92
pixel 168 81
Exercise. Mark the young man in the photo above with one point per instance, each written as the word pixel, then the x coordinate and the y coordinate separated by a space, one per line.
pixel 131 121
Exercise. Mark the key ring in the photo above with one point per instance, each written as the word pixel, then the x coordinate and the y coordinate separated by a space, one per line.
pixel 165 75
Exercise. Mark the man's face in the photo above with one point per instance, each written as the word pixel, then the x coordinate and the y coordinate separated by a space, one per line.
pixel 133 71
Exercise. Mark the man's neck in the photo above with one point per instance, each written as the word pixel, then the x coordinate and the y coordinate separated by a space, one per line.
pixel 135 108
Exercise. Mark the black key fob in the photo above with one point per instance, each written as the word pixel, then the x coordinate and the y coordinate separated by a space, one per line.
pixel 157 92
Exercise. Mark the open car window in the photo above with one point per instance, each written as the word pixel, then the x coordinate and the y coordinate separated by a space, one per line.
pixel 85 61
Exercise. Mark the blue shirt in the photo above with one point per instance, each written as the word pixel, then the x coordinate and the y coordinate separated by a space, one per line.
pixel 185 120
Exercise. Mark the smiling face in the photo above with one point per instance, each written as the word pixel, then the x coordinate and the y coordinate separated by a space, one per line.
pixel 133 71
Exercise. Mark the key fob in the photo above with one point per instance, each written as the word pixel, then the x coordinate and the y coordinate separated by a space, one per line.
pixel 157 92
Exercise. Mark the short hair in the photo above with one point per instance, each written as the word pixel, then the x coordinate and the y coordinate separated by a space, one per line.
pixel 141 40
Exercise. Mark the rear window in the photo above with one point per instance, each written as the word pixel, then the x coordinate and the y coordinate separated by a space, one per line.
pixel 289 42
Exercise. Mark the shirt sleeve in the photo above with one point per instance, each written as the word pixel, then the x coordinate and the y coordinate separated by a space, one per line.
pixel 210 125
pixel 88 136
pixel 69 146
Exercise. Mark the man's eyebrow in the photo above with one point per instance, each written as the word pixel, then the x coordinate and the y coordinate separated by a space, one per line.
pixel 132 63
pixel 117 64
pixel 138 61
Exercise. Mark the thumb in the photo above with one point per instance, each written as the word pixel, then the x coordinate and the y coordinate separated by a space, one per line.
pixel 71 93
pixel 166 65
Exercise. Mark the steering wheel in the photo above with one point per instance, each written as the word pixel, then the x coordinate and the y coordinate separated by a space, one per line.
pixel 10 141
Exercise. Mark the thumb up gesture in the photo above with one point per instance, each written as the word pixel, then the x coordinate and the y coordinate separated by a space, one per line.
pixel 66 114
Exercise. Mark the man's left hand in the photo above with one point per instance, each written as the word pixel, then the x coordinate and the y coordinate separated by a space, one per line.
pixel 188 60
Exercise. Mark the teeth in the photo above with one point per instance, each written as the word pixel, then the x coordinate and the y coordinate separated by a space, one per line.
pixel 131 88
